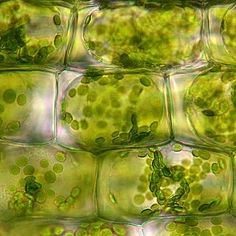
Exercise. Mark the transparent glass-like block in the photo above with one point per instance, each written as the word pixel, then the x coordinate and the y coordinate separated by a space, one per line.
pixel 33 33
pixel 205 103
pixel 45 227
pixel 192 226
pixel 220 35
pixel 136 185
pixel 136 36
pixel 27 100
pixel 46 182
pixel 100 110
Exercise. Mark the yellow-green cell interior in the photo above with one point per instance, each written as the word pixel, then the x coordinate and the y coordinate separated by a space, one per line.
pixel 107 110
pixel 133 36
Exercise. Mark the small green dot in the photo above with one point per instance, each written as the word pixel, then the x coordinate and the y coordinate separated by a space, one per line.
pixel 119 229
pixel 28 170
pixel 205 155
pixel 44 163
pixel 216 220
pixel 87 111
pixel 67 117
pixel 195 204
pixel 206 232
pixel 105 232
pixel 60 156
pixel 13 126
pixel 75 192
pixel 50 176
pixel 72 92
pixel 145 81
pixel 21 100
pixel 9 96
pixel 59 230
pixel 100 140
pixel 154 126
pixel 14 170
pixel 216 229
pixel 58 41
pixel 92 96
pixel 196 189
pixel 82 90
pixel 215 168
pixel 81 232
pixel 118 76
pixel 177 147
pixel 57 20
pixel 171 226
pixel 83 124
pixel 101 124
pixel 74 125
pixel 22 161
pixel 139 199
pixel 58 168
pixel 69 233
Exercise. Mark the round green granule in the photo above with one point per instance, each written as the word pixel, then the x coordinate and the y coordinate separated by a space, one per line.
pixel 145 81
pixel 1 108
pixel 216 229
pixel 57 20
pixel 75 192
pixel 58 168
pixel 81 232
pixel 84 124
pixel 74 125
pixel 82 90
pixel 14 170
pixel 118 76
pixel 177 147
pixel 139 199
pixel 67 117
pixel 69 233
pixel 44 163
pixel 206 167
pixel 13 126
pixel 215 168
pixel 9 96
pixel 50 176
pixel 88 111
pixel 216 220
pixel 28 170
pixel 205 155
pixel 22 161
pixel 92 96
pixel 21 100
pixel 72 92
pixel 171 226
pixel 105 232
pixel 60 156
pixel 196 189
pixel 195 204
pixel 58 230
pixel 100 140
pixel 58 41
pixel 154 126
pixel 119 229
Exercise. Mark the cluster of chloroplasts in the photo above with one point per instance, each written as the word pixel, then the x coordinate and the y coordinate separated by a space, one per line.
pixel 118 116
pixel 34 185
pixel 210 105
pixel 18 43
pixel 194 226
pixel 180 188
pixel 133 36
pixel 9 99
pixel 228 34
